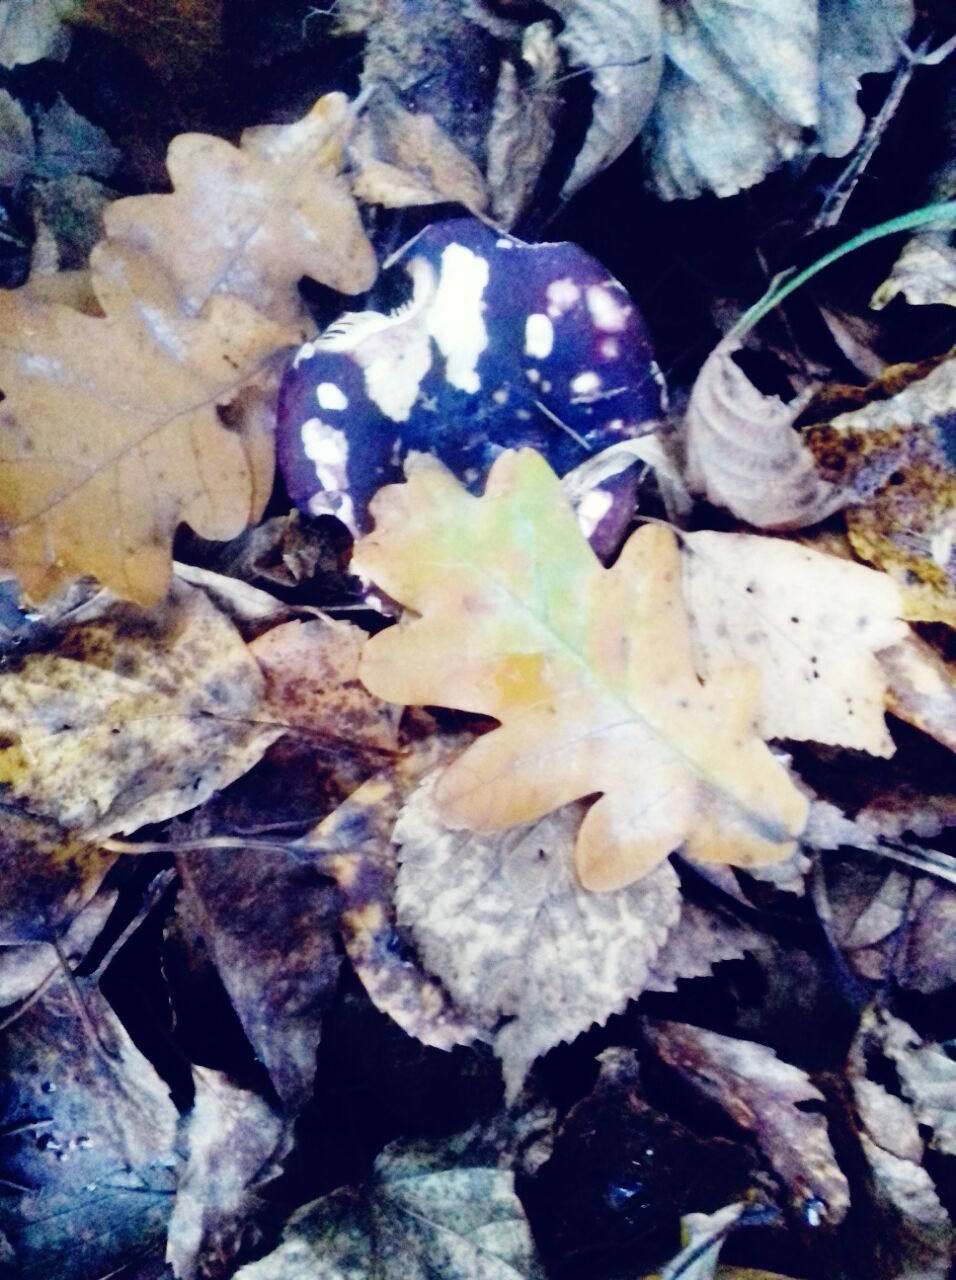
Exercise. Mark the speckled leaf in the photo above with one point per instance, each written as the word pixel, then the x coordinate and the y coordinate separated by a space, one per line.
pixel 312 685
pixel 250 221
pixel 520 946
pixel 233 1142
pixel 87 1134
pixel 588 669
pixel 762 1094
pixel 812 625
pixel 419 1218
pixel 355 843
pixel 133 718
pixel 896 462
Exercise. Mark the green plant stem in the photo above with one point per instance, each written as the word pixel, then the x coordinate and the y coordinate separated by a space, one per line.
pixel 941 216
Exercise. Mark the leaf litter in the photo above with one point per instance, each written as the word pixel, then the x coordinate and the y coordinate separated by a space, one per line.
pixel 721 1013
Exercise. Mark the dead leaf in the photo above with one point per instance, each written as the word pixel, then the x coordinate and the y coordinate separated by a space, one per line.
pixel 620 44
pixel 762 1094
pixel 404 158
pixel 68 144
pixel 17 144
pixel 700 939
pixel 521 948
pixel 922 688
pixel 355 841
pixel 26 967
pixel 147 448
pixel 421 1216
pixel 32 29
pixel 132 719
pixel 743 453
pixel 589 670
pixel 744 85
pixel 312 685
pixel 268 920
pixel 811 624
pixel 234 1142
pixel 705 1234
pixel 893 459
pixel 248 222
pixel 88 1140
pixel 924 273
pixel 927 1076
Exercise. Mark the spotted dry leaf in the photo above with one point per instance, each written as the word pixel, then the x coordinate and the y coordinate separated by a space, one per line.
pixel 132 719
pixel 521 947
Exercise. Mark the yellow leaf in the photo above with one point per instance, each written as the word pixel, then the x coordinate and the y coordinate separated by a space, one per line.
pixel 589 670
pixel 109 431
pixel 250 221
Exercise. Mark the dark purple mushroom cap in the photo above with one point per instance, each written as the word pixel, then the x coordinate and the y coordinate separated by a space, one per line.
pixel 500 345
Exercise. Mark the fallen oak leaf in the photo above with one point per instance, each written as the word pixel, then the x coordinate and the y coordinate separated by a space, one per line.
pixel 250 221
pixel 146 447
pixel 589 670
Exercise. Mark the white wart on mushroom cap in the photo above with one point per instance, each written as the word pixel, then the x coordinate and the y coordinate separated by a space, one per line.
pixel 499 345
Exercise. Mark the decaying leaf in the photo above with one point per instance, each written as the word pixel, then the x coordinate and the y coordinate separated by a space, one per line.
pixel 268 921
pixel 589 670
pixel 743 85
pixel 31 30
pixel 312 685
pixel 146 447
pixel 26 967
pixel 700 939
pixel 812 624
pixel 249 221
pixel 922 688
pixel 132 719
pixel 404 158
pixel 522 949
pixel 893 459
pixel 924 273
pixel 234 1142
pixel 705 1234
pixel 88 1133
pixel 619 43
pixel 927 1076
pixel 355 842
pixel 173 37
pixel 743 453
pixel 762 1094
pixel 421 1216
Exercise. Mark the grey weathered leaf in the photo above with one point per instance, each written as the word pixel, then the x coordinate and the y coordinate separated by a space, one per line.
pixel 700 939
pixel 31 30
pixel 421 1217
pixel 619 42
pixel 927 1076
pixel 739 88
pixel 87 1137
pixel 857 38
pixel 743 453
pixel 762 1094
pixel 503 922
pixel 67 143
pixel 705 1234
pixel 234 1142
pixel 17 144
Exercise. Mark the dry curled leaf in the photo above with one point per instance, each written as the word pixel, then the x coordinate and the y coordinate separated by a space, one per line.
pixel 743 453
pixel 811 623
pixel 132 719
pixel 145 448
pixel 522 949
pixel 588 669
pixel 250 221
pixel 763 1095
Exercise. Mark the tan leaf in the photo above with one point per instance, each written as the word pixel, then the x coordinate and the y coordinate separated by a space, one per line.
pixel 922 688
pixel 810 623
pixel 132 719
pixel 250 221
pixel 111 435
pixel 312 684
pixel 532 957
pixel 523 116
pixel 743 453
pixel 405 158
pixel 589 670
